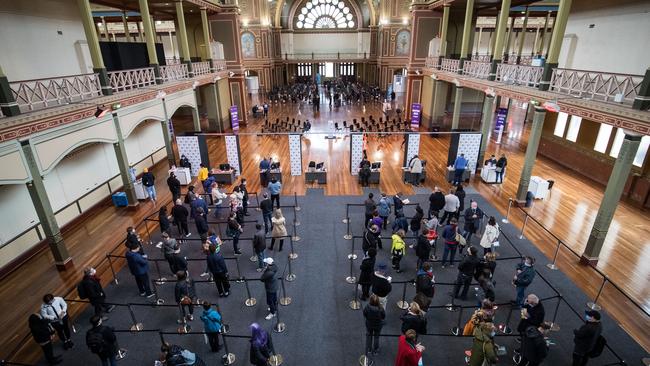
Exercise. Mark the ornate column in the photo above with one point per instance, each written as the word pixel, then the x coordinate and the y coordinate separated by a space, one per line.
pixel 497 54
pixel 556 43
pixel 531 153
pixel 93 46
pixel 182 33
pixel 458 101
pixel 467 32
pixel 522 37
pixel 149 35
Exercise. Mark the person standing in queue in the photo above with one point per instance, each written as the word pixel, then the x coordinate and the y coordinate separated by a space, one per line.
pixel 42 334
pixel 436 203
pixel 398 249
pixel 267 212
pixel 275 187
pixel 449 235
pixel 586 337
pixel 217 266
pixel 101 340
pixel 452 204
pixel 409 351
pixel 269 277
pixel 244 191
pixel 366 270
pixel 261 346
pixel 211 325
pixel 375 316
pixel 383 208
pixel 90 288
pixel 370 207
pixel 234 230
pixel 279 230
pixel 381 284
pixel 174 186
pixel 180 214
pixel 55 310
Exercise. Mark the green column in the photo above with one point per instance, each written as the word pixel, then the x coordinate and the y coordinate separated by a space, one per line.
pixel 615 186
pixel 43 208
pixel 540 46
pixel 458 101
pixel 439 100
pixel 486 122
pixel 105 26
pixel 531 152
pixel 443 31
pixel 206 37
pixel 467 33
pixel 493 38
pixel 8 103
pixel 559 27
pixel 93 46
pixel 171 159
pixel 522 37
pixel 182 32
pixel 123 163
pixel 642 100
pixel 215 85
pixel 511 37
pixel 497 53
pixel 127 33
pixel 149 36
pixel 196 120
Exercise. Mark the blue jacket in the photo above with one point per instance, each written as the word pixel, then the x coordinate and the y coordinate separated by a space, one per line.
pixel 138 264
pixel 526 276
pixel 461 163
pixel 401 223
pixel 207 184
pixel 275 188
pixel 216 263
pixel 198 202
pixel 383 207
pixel 265 164
pixel 211 320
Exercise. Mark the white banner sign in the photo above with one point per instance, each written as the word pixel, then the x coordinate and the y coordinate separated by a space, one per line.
pixel 189 146
pixel 232 152
pixel 295 154
pixel 356 152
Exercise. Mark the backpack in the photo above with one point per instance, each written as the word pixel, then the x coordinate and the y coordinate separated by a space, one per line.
pixel 95 342
pixel 81 290
pixel 181 358
pixel 598 348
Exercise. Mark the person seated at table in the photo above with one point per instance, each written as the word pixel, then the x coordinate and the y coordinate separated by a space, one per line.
pixel 492 161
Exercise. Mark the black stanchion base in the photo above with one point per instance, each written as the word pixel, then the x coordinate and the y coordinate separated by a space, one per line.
pixel 365 361
pixel 250 302
pixel 137 327
pixel 276 360
pixel 121 353
pixel 279 328
pixel 228 359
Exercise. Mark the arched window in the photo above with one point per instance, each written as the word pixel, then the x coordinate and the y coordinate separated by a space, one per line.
pixel 321 14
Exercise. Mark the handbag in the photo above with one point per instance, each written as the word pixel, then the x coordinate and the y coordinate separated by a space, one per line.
pixel 498 169
pixel 460 239
pixel 186 300
pixel 496 244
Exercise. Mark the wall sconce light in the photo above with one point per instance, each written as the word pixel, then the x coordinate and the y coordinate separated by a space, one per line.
pixel 244 22
pixel 405 20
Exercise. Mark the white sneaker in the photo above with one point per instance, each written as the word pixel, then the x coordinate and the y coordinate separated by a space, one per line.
pixel 188 235
pixel 270 316
pixel 259 269
pixel 205 274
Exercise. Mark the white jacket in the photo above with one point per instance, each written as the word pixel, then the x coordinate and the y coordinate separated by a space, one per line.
pixel 58 307
pixel 218 196
pixel 416 166
pixel 490 235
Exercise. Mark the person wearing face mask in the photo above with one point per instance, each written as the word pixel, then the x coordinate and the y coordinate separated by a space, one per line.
pixel 532 313
pixel 90 288
pixel 533 346
pixel 483 347
pixel 367 268
pixel 466 270
pixel 473 216
pixel 524 274
pixel 586 337
pixel 244 191
pixel 370 238
pixel 55 310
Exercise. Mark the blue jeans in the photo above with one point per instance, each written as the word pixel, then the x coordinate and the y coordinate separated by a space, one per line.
pixel 260 259
pixel 268 225
pixel 272 301
pixel 520 295
pixel 151 191
pixel 449 249
pixel 110 360
pixel 458 176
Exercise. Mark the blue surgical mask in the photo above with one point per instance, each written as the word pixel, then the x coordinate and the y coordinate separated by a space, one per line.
pixel 527 264
pixel 587 317
pixel 493 333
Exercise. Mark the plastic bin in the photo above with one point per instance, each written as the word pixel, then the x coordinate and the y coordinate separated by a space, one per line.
pixel 119 199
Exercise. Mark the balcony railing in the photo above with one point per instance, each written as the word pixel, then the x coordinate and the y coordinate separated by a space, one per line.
pixel 525 60
pixel 43 93
pixel 519 74
pixel 219 64
pixel 431 62
pixel 476 69
pixel 450 65
pixel 481 58
pixel 172 61
pixel 606 87
pixel 201 68
pixel 174 72
pixel 326 56
pixel 131 79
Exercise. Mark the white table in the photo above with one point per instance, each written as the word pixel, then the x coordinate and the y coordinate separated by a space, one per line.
pixel 489 174
pixel 182 174
pixel 140 192
pixel 539 187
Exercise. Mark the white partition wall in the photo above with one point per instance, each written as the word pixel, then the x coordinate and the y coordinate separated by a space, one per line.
pixel 295 154
pixel 189 146
pixel 232 152
pixel 412 147
pixel 470 145
pixel 356 152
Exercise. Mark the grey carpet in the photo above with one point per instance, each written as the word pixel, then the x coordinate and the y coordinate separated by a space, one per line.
pixel 321 329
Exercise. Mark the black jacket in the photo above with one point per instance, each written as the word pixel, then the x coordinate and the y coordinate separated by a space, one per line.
pixel 436 201
pixel 526 276
pixel 584 338
pixel 371 206
pixel 40 329
pixel 472 224
pixel 375 316
pixel 164 222
pixel 184 288
pixel 201 224
pixel 367 269
pixel 468 265
pixel 416 221
pixel 535 317
pixel 423 248
pixel 92 288
pixel 216 263
pixel 370 240
pixel 109 339
pixel 461 198
pixel 148 179
pixel 180 213
pixel 179 262
pixel 416 322
pixel 259 241
pixel 174 185
pixel 270 279
pixel 380 286
pixel 267 206
pixel 261 355
pixel 533 345
pixel 424 285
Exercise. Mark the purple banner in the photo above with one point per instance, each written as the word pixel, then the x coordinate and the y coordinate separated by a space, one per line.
pixel 234 118
pixel 502 114
pixel 416 115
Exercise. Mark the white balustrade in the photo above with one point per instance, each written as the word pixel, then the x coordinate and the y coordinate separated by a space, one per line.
pixel 131 79
pixel 201 68
pixel 519 74
pixel 43 93
pixel 476 69
pixel 481 58
pixel 607 87
pixel 174 72
pixel 449 65
pixel 219 64
pixel 431 62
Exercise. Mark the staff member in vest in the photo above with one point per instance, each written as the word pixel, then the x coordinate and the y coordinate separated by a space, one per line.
pixel 55 310
pixel 415 166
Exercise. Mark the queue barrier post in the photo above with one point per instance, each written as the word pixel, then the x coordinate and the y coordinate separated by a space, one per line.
pixel 521 235
pixel 146 228
pixel 452 307
pixel 239 279
pixel 110 264
pixel 555 326
pixel 504 328
pixel 250 300
pixel 347 214
pixel 284 300
pixel 366 358
pixel 505 220
pixel 290 276
pixel 135 326
pixel 593 305
pixel 457 330
pixel 403 304
pixel 295 236
pixel 161 280
pixel 552 265
pixel 253 258
pixel 352 255
pixel 121 353
pixel 279 327
pixel 348 234
pixel 351 278
pixel 225 328
pixel 295 201
pixel 355 304
pixel 227 358
pixel 292 254
pixel 276 360
pixel 295 218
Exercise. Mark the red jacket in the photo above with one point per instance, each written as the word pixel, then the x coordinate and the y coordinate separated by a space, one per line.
pixel 407 355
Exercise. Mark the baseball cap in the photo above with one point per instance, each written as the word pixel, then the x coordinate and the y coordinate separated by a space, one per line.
pixel 268 260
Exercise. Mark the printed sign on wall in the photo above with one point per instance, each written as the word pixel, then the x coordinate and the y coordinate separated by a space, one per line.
pixel 416 115
pixel 469 144
pixel 295 154
pixel 412 147
pixel 189 146
pixel 234 118
pixel 232 152
pixel 356 152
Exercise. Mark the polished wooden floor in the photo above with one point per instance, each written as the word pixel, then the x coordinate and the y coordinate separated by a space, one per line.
pixel 568 213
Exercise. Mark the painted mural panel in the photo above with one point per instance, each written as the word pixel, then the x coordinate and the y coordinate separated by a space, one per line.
pixel 248 45
pixel 402 43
